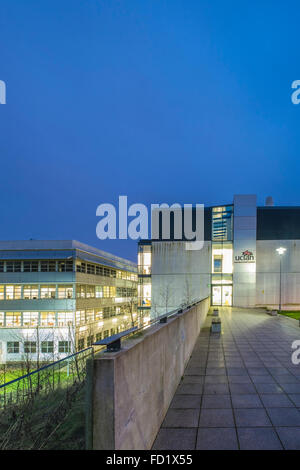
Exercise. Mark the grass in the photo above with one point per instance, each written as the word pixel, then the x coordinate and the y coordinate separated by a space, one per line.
pixel 48 421
pixel 291 314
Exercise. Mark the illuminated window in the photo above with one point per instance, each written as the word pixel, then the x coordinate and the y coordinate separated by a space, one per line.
pixel 144 292
pixel 144 259
pixel 80 317
pixel 47 318
pixel 31 292
pixel 65 292
pixel 9 292
pixel 1 292
pixel 90 292
pixel 1 318
pixel 90 317
pixel 64 318
pixel 105 291
pixel 80 344
pixel 13 319
pixel 222 223
pixel 222 258
pixel 48 292
pixel 99 292
pixel 30 318
pixel 98 315
pixel 80 289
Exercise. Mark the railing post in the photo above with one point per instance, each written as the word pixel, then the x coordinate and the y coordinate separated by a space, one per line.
pixel 89 403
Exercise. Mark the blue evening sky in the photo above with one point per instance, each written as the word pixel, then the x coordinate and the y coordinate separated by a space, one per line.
pixel 163 101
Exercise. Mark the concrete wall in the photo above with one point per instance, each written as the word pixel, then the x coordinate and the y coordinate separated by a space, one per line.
pixel 244 273
pixel 133 388
pixel 178 275
pixel 267 275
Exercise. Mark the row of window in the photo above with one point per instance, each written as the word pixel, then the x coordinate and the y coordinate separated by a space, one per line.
pixel 82 342
pixel 36 266
pixel 30 347
pixel 52 291
pixel 90 268
pixel 35 291
pixel 58 319
pixel 34 319
pixel 63 266
pixel 90 315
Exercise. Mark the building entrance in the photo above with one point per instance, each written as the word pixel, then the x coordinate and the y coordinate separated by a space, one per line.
pixel 222 295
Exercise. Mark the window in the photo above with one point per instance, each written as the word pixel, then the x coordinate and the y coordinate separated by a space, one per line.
pixel 48 292
pixel 65 292
pixel 1 266
pixel 64 346
pixel 30 318
pixel 80 289
pixel 90 340
pixel 90 315
pixel 48 266
pixel 64 318
pixel 98 292
pixel 80 317
pixel 30 347
pixel 47 318
pixel 2 292
pixel 98 336
pixel 1 318
pixel 222 223
pixel 90 292
pixel 13 292
pixel 99 270
pixel 13 347
pixel 98 315
pixel 81 267
pixel 31 292
pixel 47 347
pixel 9 292
pixel 105 291
pixel 80 344
pixel 13 319
pixel 90 269
pixel 65 266
pixel 106 334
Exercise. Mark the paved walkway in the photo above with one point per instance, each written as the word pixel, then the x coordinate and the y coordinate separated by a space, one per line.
pixel 240 390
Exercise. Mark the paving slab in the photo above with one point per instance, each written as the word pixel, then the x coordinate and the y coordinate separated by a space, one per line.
pixel 240 389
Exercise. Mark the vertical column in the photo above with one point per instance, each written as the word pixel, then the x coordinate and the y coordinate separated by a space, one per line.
pixel 244 251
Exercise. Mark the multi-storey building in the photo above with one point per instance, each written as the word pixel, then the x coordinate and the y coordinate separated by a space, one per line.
pixel 250 257
pixel 60 296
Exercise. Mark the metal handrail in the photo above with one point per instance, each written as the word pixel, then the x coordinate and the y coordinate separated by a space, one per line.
pixel 164 317
pixel 52 364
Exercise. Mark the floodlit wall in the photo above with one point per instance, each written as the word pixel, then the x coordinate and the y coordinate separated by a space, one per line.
pixel 178 275
pixel 131 390
pixel 268 277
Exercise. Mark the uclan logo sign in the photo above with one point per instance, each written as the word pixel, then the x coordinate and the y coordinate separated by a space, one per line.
pixel 246 257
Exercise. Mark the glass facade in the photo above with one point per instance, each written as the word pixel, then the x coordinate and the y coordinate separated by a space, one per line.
pixel 222 255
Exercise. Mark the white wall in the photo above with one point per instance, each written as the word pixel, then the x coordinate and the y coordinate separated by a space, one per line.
pixel 267 275
pixel 178 275
pixel 30 334
pixel 244 273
